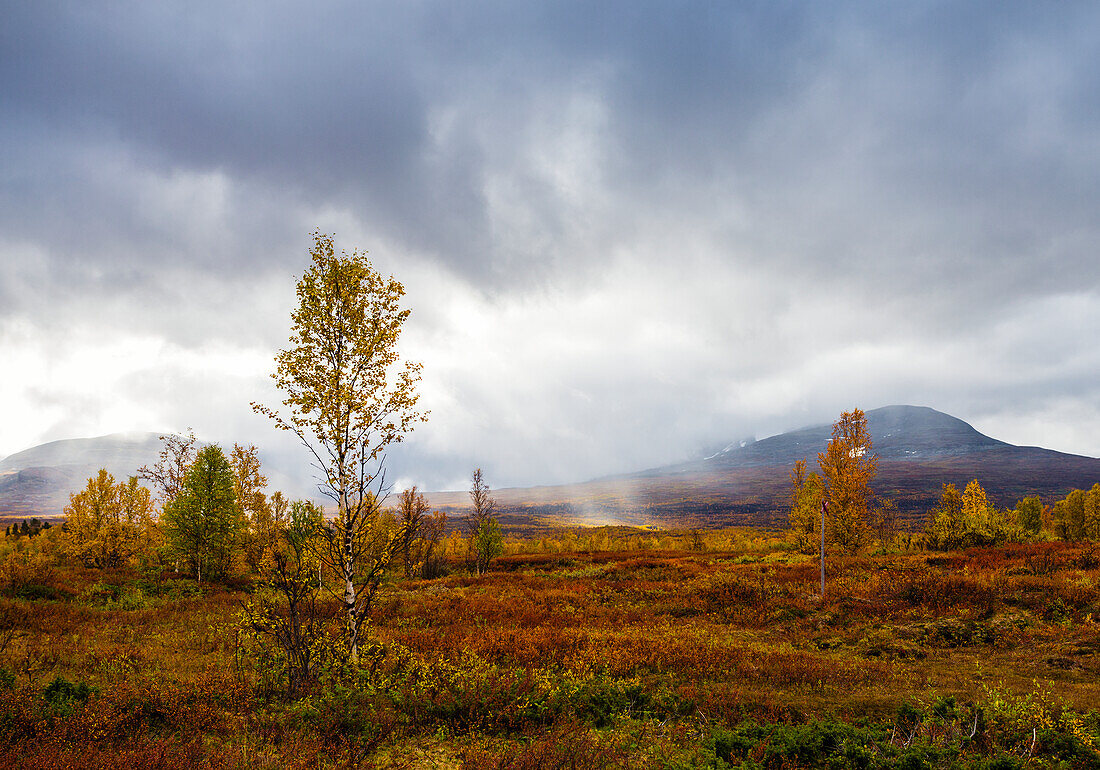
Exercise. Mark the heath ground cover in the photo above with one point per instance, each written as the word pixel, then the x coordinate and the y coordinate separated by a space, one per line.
pixel 616 658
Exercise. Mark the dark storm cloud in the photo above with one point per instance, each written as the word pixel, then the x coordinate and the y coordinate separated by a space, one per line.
pixel 844 113
pixel 708 219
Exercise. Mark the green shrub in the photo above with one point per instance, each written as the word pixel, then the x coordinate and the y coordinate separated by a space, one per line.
pixel 181 589
pixel 815 744
pixel 100 593
pixel 61 694
pixel 131 599
pixel 34 591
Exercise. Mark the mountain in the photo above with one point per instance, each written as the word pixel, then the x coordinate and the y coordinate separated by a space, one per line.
pixel 897 433
pixel 39 480
pixel 746 484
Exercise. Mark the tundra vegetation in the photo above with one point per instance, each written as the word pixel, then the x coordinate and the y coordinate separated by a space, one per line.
pixel 608 647
pixel 208 623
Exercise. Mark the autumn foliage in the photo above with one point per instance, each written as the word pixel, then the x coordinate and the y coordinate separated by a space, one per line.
pixel 853 515
pixel 602 658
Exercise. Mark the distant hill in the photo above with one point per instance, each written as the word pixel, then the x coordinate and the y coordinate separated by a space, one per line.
pixel 39 480
pixel 897 432
pixel 746 484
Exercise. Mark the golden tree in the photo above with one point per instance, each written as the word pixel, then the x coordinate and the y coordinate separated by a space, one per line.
pixel 1029 514
pixel 945 522
pixel 412 514
pixel 1077 516
pixel 347 400
pixel 432 544
pixel 962 520
pixel 1092 513
pixel 807 492
pixel 258 534
pixel 848 467
pixel 107 523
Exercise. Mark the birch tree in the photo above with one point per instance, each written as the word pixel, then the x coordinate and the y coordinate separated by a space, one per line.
pixel 848 467
pixel 483 530
pixel 348 399
pixel 412 513
pixel 202 522
pixel 107 523
pixel 176 455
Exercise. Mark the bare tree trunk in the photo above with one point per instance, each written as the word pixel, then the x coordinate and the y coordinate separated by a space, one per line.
pixel 349 594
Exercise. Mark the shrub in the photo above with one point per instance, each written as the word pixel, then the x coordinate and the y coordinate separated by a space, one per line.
pixel 37 591
pixel 816 744
pixel 25 567
pixel 61 694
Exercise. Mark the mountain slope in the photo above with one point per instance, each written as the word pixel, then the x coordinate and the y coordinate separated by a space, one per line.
pixel 39 480
pixel 919 450
pixel 897 433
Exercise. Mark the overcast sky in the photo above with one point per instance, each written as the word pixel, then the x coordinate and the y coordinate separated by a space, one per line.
pixel 629 232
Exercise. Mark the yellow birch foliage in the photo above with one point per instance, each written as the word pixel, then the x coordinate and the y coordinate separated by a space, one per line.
pixel 107 523
pixel 348 398
pixel 807 492
pixel 848 468
pixel 967 519
pixel 258 526
pixel 1077 516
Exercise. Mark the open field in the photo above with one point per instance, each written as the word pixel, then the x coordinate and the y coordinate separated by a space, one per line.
pixel 621 658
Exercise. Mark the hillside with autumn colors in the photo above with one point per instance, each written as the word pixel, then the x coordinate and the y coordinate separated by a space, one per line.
pixel 919 450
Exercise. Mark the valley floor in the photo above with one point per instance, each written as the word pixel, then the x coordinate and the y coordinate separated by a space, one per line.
pixel 675 659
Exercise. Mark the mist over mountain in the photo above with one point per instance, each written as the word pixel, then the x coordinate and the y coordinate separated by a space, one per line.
pixel 897 433
pixel 743 483
pixel 39 480
pixel 119 453
pixel 746 483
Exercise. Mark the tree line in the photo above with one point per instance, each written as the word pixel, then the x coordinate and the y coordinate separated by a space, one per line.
pixel 26 528
pixel 214 520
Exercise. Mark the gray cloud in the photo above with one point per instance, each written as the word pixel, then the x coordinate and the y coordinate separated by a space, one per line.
pixel 627 231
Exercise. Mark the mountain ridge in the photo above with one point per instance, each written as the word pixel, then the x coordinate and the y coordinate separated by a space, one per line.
pixel 919 449
pixel 52 453
pixel 37 481
pixel 746 484
pixel 897 432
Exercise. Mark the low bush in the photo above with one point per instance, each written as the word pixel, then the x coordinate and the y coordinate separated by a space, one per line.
pixel 38 592
pixel 61 695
